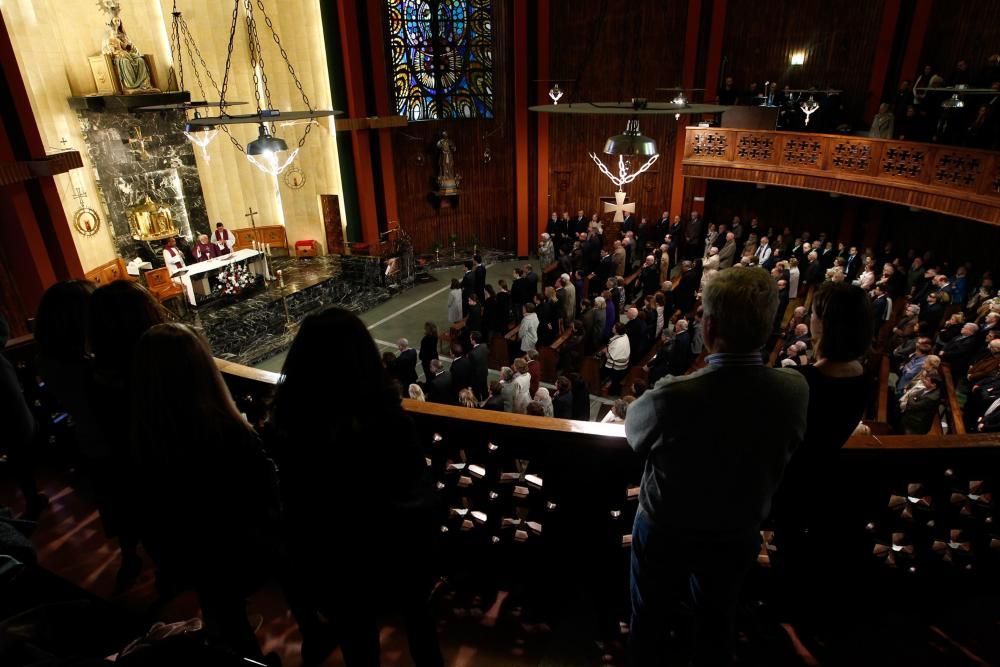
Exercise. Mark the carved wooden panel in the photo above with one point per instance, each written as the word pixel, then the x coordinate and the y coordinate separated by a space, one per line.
pixel 803 152
pixel 904 161
pixel 756 148
pixel 851 157
pixel 948 179
pixel 957 169
pixel 708 144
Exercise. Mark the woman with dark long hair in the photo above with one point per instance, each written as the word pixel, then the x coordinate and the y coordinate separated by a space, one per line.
pixel 120 312
pixel 428 349
pixel 206 491
pixel 809 505
pixel 351 462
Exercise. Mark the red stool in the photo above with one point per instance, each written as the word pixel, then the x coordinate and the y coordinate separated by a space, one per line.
pixel 305 248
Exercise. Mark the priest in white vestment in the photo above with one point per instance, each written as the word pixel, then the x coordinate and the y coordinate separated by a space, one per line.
pixel 174 259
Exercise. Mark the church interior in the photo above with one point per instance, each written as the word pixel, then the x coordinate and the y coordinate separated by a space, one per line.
pixel 499 332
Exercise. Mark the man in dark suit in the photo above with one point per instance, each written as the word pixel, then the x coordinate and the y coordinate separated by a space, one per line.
pixel 406 365
pixel 959 350
pixel 474 318
pixel 635 329
pixel 814 272
pixel 579 224
pixel 462 374
pixel 852 267
pixel 827 256
pixel 649 277
pixel 468 285
pixel 531 281
pixel 439 388
pixel 480 358
pixel 480 275
pixel 520 293
pixel 495 400
pixel 501 309
pixel 628 224
pixel 562 400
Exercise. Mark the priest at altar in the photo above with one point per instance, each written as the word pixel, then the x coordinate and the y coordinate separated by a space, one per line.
pixel 174 260
pixel 204 250
pixel 224 239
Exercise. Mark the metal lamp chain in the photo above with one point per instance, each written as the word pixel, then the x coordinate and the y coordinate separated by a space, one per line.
pixel 225 76
pixel 175 53
pixel 291 69
pixel 197 51
pixel 194 66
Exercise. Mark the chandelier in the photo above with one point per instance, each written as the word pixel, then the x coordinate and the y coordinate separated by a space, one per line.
pixel 180 35
pixel 267 152
pixel 630 143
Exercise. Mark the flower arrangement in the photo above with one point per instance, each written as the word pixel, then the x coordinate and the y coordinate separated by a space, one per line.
pixel 234 279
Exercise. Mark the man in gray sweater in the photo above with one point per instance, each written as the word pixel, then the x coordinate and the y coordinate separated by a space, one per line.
pixel 707 483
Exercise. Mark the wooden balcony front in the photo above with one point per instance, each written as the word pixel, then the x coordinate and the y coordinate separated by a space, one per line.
pixel 947 179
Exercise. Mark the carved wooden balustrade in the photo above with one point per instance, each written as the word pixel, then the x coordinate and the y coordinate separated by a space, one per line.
pixel 542 491
pixel 543 505
pixel 948 179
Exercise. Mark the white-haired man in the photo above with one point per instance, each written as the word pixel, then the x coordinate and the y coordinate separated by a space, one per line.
pixel 706 548
pixel 406 364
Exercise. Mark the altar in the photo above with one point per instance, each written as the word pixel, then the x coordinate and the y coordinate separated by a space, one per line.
pixel 202 273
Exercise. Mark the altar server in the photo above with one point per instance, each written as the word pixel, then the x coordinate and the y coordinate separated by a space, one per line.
pixel 203 250
pixel 224 239
pixel 174 259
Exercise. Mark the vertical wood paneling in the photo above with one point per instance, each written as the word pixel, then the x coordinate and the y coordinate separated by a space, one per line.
pixel 839 39
pixel 486 208
pixel 638 47
pixel 968 29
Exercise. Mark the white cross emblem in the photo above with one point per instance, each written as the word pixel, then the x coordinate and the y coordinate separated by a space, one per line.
pixel 619 207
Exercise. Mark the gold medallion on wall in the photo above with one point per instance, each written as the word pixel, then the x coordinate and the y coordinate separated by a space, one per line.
pixel 294 178
pixel 86 221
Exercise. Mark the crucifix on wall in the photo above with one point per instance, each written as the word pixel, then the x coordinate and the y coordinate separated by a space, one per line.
pixel 140 140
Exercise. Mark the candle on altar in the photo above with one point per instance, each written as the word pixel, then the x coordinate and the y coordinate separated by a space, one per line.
pixel 253 243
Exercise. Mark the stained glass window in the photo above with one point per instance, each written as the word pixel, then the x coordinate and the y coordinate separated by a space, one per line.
pixel 441 58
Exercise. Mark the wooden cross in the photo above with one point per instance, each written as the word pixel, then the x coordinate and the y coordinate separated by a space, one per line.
pixel 250 215
pixel 139 139
pixel 619 208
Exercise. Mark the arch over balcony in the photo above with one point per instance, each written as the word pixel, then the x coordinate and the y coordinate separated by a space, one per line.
pixel 947 179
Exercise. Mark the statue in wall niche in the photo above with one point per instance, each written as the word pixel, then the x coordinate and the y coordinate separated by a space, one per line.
pixel 447 180
pixel 132 70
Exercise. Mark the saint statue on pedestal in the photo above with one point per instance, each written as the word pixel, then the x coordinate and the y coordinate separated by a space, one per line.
pixel 447 180
pixel 130 65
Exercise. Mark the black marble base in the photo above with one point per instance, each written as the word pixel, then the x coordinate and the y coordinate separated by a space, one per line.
pixel 263 324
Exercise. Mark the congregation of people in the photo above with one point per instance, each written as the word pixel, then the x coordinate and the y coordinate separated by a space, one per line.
pixel 637 311
pixel 222 504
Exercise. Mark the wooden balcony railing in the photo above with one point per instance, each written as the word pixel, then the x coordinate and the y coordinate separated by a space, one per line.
pixel 947 179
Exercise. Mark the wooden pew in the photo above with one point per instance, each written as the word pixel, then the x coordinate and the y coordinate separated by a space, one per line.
pixel 638 371
pixel 454 333
pixel 549 275
pixel 548 355
pixel 590 372
pixel 954 410
pixel 499 352
pixel 880 425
